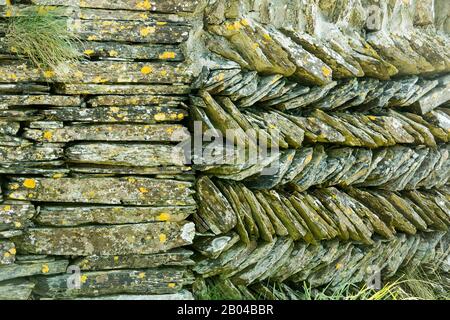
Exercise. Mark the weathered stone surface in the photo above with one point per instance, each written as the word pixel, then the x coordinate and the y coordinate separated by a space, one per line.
pixel 29 153
pixel 98 283
pixel 145 155
pixel 39 101
pixel 134 31
pixel 124 89
pixel 159 5
pixel 120 190
pixel 7 252
pixel 181 295
pixel 64 216
pixel 100 72
pixel 25 269
pixel 16 289
pixel 15 215
pixel 176 257
pixel 138 114
pixel 135 100
pixel 146 238
pixel 112 132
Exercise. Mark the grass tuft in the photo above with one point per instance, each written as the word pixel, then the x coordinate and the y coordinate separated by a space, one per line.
pixel 43 37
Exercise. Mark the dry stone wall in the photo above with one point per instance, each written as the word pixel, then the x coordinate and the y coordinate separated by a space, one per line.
pixel 94 183
pixel 100 199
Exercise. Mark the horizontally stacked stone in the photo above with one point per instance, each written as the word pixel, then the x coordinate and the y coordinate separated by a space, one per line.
pixel 95 184
pixel 359 115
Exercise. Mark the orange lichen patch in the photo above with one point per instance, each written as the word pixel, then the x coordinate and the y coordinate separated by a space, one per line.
pixel 171 285
pixel 145 5
pixel 143 190
pixel 146 31
pixel 45 268
pixel 141 275
pixel 49 74
pixel 162 238
pixel 146 70
pixel 12 251
pixel 83 278
pixel 168 55
pixel 164 216
pixel 29 183
pixel 89 52
pixel 326 71
pixel 7 208
pixel 48 135
pixel 160 117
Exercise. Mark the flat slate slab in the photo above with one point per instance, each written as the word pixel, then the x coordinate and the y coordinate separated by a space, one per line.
pixel 145 238
pixel 120 190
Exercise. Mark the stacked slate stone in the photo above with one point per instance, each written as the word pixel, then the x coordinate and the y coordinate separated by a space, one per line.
pixel 96 192
pixel 359 113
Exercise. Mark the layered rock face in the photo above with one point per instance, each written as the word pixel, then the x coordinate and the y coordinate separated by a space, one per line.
pixel 351 100
pixel 96 191
pixel 334 168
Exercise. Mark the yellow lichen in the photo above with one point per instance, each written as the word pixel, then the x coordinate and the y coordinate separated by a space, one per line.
pixel 89 52
pixel 339 266
pixel 147 30
pixel 163 73
pixel 372 118
pixel 7 208
pixel 141 275
pixel 45 268
pixel 162 238
pixel 58 175
pixel 168 55
pixel 14 186
pixel 92 38
pixel 113 53
pixel 145 5
pixel 131 180
pixel 143 190
pixel 99 79
pixel 29 183
pixel 83 278
pixel 326 71
pixel 245 22
pixel 146 70
pixel 49 74
pixel 7 254
pixel 160 116
pixel 161 23
pixel 12 251
pixel 233 26
pixel 48 135
pixel 267 37
pixel 116 258
pixel 171 285
pixel 164 216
